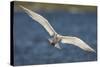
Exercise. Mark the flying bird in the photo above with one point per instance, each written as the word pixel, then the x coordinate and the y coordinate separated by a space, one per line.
pixel 55 37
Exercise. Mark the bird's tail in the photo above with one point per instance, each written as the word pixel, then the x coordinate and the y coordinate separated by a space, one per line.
pixel 58 46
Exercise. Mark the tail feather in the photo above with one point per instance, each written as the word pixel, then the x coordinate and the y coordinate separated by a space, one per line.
pixel 57 46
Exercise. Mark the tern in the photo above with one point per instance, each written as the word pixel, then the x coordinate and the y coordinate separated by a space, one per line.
pixel 55 37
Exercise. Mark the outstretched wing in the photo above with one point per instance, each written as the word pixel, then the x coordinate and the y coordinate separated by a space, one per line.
pixel 40 19
pixel 77 42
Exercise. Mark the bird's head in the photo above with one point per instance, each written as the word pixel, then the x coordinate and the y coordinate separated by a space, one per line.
pixel 51 41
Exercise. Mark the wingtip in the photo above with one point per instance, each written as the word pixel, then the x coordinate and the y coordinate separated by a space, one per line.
pixel 21 6
pixel 92 50
pixel 25 9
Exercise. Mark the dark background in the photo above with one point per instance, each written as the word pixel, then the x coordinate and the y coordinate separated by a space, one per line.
pixel 31 44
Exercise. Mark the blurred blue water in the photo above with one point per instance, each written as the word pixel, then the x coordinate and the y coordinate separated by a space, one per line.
pixel 32 47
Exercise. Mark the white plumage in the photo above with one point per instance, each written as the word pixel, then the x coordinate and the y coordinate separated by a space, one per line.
pixel 57 37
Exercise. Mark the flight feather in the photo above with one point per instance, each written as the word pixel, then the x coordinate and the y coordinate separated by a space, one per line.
pixel 40 19
pixel 77 42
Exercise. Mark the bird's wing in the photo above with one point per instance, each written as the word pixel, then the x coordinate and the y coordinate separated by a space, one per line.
pixel 40 19
pixel 77 42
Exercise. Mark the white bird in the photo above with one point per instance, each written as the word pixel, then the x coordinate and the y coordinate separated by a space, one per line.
pixel 56 38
